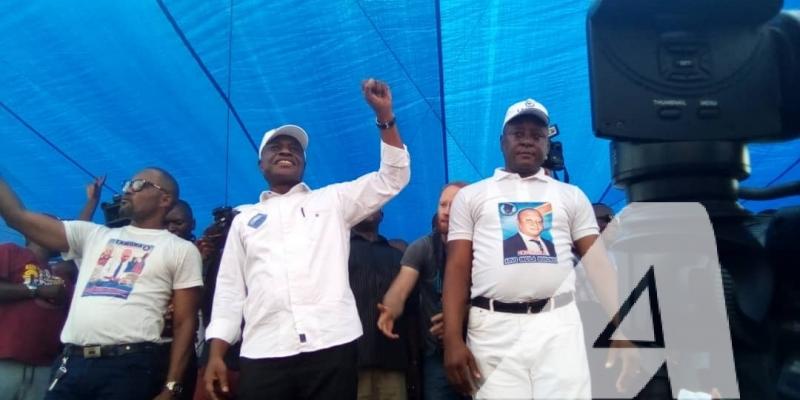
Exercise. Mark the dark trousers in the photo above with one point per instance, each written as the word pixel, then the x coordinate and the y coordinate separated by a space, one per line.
pixel 324 374
pixel 134 376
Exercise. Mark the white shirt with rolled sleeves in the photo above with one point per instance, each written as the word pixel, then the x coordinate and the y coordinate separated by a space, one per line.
pixel 284 265
pixel 476 216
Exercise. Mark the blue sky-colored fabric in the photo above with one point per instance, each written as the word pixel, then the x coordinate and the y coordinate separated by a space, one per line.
pixel 92 88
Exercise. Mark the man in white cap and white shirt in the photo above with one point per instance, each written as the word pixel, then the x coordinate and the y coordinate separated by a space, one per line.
pixel 284 270
pixel 524 334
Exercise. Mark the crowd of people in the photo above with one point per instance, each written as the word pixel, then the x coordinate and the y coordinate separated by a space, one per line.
pixel 306 299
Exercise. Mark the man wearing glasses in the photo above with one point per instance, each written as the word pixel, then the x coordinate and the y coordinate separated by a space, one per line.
pixel 127 276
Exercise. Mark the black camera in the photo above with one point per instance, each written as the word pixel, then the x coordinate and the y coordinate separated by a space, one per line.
pixel 111 213
pixel 217 232
pixel 680 87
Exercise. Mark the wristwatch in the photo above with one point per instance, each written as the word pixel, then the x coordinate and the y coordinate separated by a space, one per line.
pixel 32 289
pixel 174 387
pixel 385 125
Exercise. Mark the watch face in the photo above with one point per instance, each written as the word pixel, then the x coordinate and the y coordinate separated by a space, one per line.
pixel 174 387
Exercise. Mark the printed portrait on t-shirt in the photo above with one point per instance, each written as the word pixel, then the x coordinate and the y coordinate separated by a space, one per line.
pixel 117 269
pixel 526 233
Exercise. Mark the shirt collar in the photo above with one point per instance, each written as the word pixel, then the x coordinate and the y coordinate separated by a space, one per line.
pixel 500 174
pixel 527 238
pixel 300 187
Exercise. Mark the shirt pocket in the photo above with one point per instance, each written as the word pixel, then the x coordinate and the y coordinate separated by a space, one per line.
pixel 318 222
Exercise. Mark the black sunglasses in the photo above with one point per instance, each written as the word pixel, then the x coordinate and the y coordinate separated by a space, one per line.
pixel 136 185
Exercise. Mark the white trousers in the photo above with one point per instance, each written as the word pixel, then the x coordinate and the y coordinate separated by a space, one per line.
pixel 530 356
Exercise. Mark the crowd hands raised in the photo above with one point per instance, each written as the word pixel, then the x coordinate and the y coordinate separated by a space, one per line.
pixel 126 314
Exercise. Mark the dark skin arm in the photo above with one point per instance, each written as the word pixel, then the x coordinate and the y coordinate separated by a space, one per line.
pixel 38 228
pixel 379 97
pixel 603 276
pixel 92 198
pixel 460 365
pixel 186 303
pixel 11 292
pixel 216 370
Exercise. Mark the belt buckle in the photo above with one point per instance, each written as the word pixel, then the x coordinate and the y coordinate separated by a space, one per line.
pixel 92 352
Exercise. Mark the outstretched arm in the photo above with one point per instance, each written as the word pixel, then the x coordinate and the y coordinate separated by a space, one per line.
pixel 395 299
pixel 39 228
pixel 379 97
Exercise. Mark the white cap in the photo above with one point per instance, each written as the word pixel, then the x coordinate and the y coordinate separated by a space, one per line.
pixel 285 130
pixel 529 106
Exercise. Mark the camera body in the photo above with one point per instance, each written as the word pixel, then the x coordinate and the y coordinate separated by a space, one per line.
pixel 680 87
pixel 693 70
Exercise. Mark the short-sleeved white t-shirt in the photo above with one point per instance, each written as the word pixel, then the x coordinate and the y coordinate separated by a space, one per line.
pixel 125 282
pixel 522 232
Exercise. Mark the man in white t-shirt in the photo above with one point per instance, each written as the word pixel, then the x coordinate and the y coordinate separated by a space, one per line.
pixel 524 334
pixel 127 276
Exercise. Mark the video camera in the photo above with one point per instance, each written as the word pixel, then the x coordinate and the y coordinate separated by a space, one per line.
pixel 680 87
pixel 111 213
pixel 217 232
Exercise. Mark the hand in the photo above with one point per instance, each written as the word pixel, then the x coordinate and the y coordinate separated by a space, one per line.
pixel 164 395
pixel 625 350
pixel 53 293
pixel 461 368
pixel 386 321
pixel 216 378
pixel 93 189
pixel 437 325
pixel 379 97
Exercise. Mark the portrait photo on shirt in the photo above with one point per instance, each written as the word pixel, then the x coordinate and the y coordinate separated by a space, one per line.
pixel 526 232
pixel 117 269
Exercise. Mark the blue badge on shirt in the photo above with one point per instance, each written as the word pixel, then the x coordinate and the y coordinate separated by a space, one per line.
pixel 257 220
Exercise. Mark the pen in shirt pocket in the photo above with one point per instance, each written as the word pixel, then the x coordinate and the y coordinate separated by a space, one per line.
pixel 302 212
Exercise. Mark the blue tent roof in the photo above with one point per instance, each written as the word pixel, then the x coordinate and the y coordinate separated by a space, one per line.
pixel 92 88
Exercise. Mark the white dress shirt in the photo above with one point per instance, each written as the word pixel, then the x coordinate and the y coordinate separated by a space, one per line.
pixel 284 266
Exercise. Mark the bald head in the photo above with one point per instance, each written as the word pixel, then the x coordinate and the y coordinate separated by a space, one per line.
pixel 166 181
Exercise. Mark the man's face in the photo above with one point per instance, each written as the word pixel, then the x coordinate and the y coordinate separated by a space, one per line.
pixel 179 222
pixel 141 204
pixel 524 144
pixel 530 222
pixel 283 161
pixel 443 210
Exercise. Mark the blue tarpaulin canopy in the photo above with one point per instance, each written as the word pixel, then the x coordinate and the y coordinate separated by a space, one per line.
pixel 106 88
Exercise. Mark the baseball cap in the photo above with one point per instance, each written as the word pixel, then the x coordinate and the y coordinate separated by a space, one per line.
pixel 530 107
pixel 287 130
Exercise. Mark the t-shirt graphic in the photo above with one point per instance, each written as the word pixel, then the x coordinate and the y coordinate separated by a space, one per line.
pixel 32 275
pixel 526 233
pixel 117 269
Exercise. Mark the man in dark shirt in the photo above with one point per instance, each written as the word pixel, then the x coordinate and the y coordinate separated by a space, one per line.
pixel 32 312
pixel 373 264
pixel 424 260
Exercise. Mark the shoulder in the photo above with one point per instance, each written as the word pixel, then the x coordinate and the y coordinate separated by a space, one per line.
pixel 421 244
pixel 569 192
pixel 473 192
